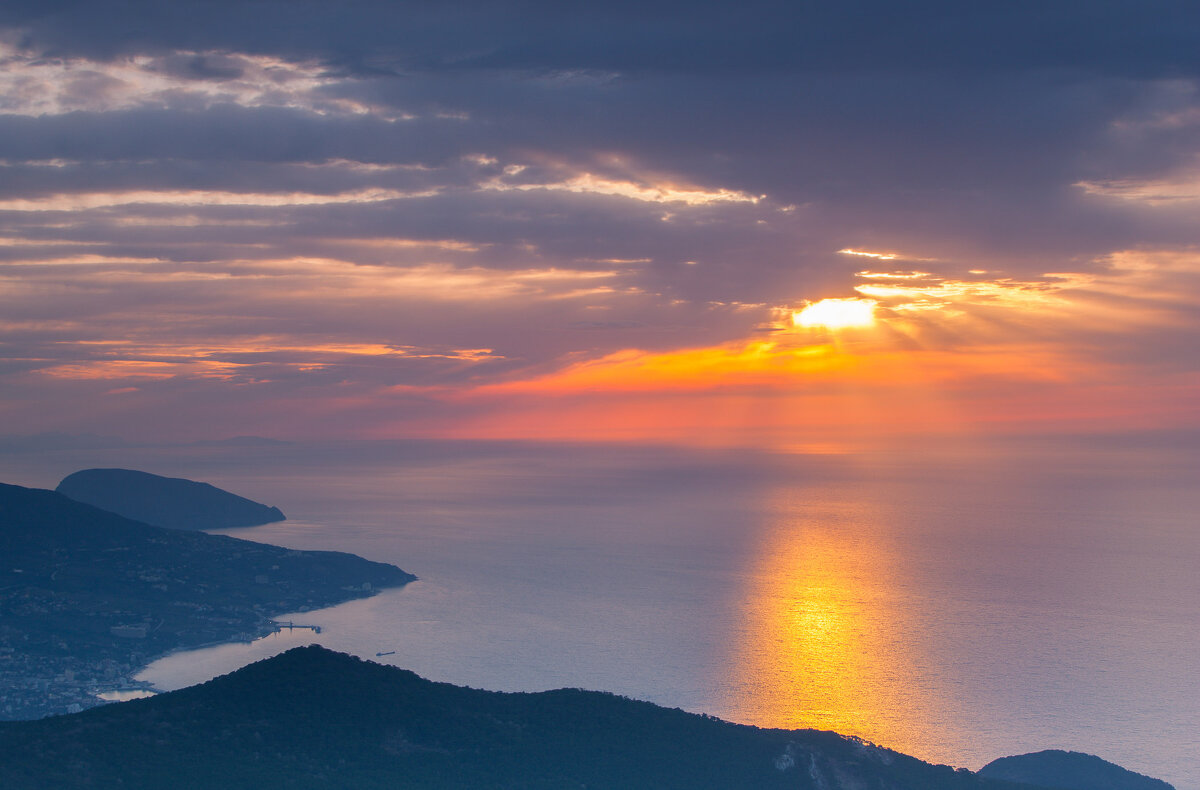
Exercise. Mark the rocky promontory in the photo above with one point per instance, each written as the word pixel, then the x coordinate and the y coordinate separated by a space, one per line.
pixel 172 502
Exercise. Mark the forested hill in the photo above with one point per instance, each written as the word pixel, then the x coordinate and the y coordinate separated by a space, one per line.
pixel 311 718
pixel 87 597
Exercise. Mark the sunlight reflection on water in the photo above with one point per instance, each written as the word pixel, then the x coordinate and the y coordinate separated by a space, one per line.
pixel 819 646
pixel 957 611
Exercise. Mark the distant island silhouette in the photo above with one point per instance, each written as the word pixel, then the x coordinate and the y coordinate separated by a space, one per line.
pixel 173 502
pixel 89 597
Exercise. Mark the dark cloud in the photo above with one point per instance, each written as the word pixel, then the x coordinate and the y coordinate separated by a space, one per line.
pixel 208 67
pixel 1116 37
pixel 971 156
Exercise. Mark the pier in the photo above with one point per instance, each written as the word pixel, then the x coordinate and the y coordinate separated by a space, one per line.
pixel 289 625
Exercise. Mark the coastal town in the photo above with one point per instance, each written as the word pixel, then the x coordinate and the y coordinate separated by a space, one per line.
pixel 89 598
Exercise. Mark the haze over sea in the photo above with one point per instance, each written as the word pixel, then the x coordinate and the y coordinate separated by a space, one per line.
pixel 958 607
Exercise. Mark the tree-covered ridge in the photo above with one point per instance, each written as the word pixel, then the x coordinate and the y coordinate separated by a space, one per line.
pixel 311 718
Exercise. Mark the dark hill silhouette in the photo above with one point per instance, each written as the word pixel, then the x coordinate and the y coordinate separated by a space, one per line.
pixel 1061 770
pixel 311 718
pixel 165 501
pixel 87 597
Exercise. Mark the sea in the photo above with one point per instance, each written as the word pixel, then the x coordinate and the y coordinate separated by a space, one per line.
pixel 958 603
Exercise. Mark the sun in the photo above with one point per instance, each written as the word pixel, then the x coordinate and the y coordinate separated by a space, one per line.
pixel 836 314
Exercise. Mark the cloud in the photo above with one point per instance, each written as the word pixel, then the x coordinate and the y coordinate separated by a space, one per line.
pixel 212 209
pixel 1143 39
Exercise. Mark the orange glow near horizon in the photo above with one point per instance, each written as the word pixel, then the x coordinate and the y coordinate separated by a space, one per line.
pixel 792 367
pixel 775 395
pixel 941 358
pixel 918 355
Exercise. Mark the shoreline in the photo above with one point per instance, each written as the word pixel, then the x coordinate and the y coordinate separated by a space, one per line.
pixel 48 685
pixel 242 639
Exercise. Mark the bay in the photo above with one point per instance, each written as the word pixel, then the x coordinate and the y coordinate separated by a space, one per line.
pixel 958 606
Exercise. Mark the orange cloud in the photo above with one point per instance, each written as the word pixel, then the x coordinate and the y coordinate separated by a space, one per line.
pixel 945 357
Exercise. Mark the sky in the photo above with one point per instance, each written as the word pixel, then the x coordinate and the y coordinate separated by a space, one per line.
pixel 789 225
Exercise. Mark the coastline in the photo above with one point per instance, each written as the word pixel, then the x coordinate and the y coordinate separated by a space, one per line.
pixel 89 598
pixel 56 685
pixel 273 625
pixel 243 638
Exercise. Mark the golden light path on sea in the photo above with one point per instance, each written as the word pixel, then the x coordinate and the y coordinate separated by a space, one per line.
pixel 826 638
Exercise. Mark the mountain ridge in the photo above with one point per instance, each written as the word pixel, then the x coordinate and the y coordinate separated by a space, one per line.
pixel 314 718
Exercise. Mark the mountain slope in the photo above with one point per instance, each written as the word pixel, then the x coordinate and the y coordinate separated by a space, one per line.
pixel 311 718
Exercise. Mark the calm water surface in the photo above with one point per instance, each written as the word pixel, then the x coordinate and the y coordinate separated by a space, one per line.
pixel 957 609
